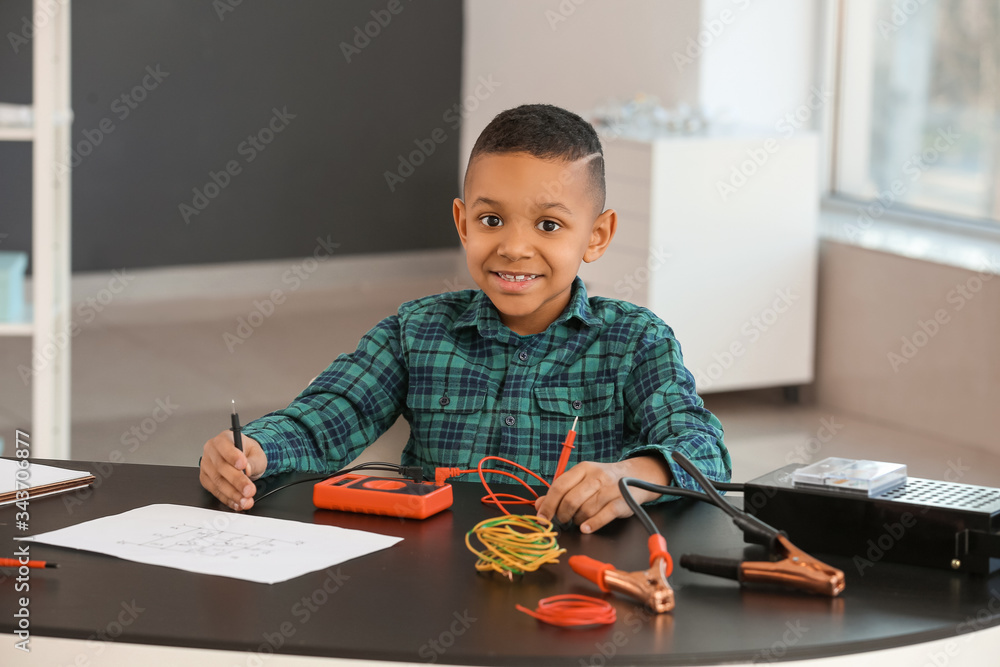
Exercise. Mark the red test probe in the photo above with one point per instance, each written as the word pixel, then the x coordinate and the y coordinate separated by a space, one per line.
pixel 567 447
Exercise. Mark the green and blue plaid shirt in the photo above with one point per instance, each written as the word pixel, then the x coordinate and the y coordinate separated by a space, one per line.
pixel 470 387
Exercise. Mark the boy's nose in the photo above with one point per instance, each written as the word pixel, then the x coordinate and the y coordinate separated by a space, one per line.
pixel 515 244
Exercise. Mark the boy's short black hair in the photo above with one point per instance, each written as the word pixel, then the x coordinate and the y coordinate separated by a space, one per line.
pixel 547 132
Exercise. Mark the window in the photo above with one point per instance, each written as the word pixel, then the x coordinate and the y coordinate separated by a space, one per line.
pixel 919 124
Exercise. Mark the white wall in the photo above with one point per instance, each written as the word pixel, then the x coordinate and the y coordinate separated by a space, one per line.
pixel 910 343
pixel 760 58
pixel 750 62
pixel 574 54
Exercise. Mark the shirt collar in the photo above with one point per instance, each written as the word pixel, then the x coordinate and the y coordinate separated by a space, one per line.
pixel 483 314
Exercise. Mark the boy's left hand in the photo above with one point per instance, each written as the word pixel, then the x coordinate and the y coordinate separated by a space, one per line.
pixel 588 494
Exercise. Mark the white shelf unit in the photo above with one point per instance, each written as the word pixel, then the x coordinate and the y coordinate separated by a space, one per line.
pixel 17 133
pixel 720 270
pixel 50 206
pixel 16 328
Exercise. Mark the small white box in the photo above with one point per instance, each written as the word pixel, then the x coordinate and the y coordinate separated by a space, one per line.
pixel 868 478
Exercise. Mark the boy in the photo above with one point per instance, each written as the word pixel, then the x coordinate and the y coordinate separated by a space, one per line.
pixel 504 370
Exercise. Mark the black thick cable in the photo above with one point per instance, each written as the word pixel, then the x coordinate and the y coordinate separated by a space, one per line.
pixel 757 530
pixel 711 494
pixel 729 486
pixel 641 513
pixel 636 508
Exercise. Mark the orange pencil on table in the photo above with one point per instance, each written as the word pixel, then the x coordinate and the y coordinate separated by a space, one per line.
pixel 14 562
pixel 567 447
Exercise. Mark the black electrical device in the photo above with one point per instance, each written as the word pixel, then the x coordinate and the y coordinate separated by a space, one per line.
pixel 923 522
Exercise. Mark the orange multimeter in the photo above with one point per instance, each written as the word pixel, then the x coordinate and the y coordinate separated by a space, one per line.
pixel 382 495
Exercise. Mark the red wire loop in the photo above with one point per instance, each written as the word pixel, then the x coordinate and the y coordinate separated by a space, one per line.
pixel 509 498
pixel 572 610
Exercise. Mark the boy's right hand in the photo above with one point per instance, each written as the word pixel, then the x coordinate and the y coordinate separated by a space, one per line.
pixel 226 472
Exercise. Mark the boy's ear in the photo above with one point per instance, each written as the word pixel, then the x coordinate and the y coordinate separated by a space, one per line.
pixel 604 230
pixel 458 210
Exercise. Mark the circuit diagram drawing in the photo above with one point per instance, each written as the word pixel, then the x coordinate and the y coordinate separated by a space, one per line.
pixel 212 542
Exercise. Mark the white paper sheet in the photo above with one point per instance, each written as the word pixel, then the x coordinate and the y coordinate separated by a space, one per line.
pixel 226 544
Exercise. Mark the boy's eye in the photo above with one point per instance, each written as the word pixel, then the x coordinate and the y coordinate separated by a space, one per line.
pixel 491 221
pixel 548 225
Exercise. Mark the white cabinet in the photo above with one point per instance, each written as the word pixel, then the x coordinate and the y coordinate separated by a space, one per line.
pixel 49 368
pixel 718 236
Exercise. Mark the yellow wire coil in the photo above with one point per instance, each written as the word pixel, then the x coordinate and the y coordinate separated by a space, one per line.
pixel 514 544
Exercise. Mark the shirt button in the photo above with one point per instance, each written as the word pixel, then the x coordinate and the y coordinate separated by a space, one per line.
pixel 523 356
pixel 509 420
pixel 444 400
pixel 577 405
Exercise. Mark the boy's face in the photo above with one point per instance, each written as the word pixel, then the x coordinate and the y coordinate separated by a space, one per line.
pixel 526 224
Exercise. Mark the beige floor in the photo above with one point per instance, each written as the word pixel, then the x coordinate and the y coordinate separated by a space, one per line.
pixel 132 359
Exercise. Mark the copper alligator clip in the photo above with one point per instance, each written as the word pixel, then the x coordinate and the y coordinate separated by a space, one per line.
pixel 647 586
pixel 793 568
pixel 796 569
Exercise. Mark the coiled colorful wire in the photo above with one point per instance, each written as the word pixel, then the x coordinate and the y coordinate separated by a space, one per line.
pixel 514 544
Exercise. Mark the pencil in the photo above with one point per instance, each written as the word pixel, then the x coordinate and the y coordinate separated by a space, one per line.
pixel 14 562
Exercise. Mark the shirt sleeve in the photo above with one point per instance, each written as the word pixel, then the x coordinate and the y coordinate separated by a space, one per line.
pixel 663 407
pixel 345 409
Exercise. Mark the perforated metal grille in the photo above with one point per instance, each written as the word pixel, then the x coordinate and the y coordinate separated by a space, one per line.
pixel 945 494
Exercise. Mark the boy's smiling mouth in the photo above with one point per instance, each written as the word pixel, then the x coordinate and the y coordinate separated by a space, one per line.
pixel 516 277
pixel 514 281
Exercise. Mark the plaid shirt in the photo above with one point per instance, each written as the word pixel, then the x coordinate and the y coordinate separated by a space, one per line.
pixel 470 387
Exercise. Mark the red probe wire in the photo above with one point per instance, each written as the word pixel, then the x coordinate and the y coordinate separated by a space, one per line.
pixel 442 474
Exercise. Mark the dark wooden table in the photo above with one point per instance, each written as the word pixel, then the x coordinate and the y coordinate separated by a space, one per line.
pixel 422 599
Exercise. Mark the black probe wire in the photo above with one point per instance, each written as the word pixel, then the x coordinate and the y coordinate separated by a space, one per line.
pixel 368 465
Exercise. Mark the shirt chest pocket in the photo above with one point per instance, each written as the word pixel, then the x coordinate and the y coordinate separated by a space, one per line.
pixel 448 401
pixel 445 423
pixel 599 431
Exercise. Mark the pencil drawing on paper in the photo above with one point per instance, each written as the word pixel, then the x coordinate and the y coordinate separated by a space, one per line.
pixel 212 542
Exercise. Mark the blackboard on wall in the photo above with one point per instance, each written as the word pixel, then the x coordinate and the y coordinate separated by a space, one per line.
pixel 227 131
